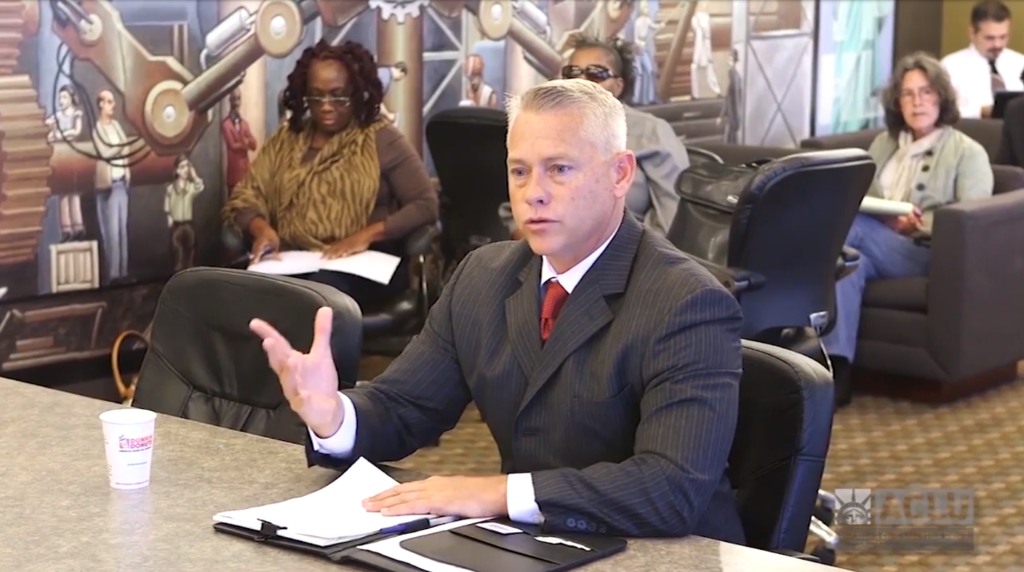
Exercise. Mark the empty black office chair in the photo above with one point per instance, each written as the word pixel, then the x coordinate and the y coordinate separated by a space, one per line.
pixel 387 325
pixel 776 473
pixel 781 240
pixel 467 145
pixel 204 363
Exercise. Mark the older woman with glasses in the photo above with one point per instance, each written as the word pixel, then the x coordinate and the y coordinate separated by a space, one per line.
pixel 922 159
pixel 336 177
pixel 660 154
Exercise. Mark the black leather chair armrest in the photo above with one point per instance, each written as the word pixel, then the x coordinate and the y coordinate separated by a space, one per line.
pixel 737 280
pixel 421 241
pixel 797 555
pixel 848 261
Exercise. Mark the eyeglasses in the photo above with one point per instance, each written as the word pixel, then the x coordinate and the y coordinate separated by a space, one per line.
pixel 925 94
pixel 593 72
pixel 313 101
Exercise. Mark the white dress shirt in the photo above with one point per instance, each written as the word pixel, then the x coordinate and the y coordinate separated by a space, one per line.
pixel 972 78
pixel 521 500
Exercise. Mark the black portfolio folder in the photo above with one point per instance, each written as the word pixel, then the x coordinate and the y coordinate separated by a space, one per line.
pixel 481 550
pixel 334 552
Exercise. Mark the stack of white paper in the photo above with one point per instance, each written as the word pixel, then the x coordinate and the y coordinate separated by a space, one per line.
pixel 882 207
pixel 372 265
pixel 331 515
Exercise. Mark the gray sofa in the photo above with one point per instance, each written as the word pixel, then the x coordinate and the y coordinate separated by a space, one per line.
pixel 961 329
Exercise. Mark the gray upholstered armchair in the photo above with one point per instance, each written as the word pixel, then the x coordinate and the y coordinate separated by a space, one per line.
pixel 960 329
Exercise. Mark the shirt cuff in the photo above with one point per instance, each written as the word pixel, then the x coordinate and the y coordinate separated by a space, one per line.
pixel 521 500
pixel 341 443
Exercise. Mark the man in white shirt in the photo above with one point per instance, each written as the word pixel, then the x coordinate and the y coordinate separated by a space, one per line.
pixel 605 362
pixel 987 66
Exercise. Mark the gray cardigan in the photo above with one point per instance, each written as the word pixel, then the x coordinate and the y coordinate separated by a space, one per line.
pixel 660 158
pixel 957 170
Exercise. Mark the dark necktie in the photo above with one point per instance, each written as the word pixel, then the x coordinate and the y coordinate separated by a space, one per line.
pixel 997 81
pixel 554 299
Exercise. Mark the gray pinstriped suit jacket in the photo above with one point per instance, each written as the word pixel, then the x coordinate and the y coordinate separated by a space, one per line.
pixel 625 417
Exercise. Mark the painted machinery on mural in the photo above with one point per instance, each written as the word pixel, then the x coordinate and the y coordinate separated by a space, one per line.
pixel 169 107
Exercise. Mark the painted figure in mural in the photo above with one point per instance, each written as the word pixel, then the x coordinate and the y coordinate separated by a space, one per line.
pixel 702 54
pixel 660 155
pixel 856 29
pixel 732 110
pixel 337 178
pixel 113 177
pixel 178 201
pixel 238 139
pixel 645 83
pixel 478 93
pixel 388 75
pixel 66 125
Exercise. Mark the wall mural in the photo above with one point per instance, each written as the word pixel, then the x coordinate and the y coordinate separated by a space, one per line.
pixel 126 123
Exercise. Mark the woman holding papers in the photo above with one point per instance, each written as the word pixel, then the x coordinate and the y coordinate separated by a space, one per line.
pixel 337 177
pixel 921 160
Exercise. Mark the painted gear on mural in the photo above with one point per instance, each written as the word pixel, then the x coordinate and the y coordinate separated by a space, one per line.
pixel 400 9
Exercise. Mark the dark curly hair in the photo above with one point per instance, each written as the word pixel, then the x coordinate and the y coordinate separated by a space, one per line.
pixel 367 91
pixel 620 52
pixel 938 78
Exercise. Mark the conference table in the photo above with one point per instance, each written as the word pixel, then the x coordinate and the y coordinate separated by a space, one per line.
pixel 59 512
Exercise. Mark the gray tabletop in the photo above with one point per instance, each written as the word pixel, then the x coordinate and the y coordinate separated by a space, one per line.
pixel 60 514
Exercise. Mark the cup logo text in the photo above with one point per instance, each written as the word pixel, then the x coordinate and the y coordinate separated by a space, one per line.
pixel 134 444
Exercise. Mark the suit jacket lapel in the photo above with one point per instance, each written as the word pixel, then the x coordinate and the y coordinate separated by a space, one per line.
pixel 520 309
pixel 586 311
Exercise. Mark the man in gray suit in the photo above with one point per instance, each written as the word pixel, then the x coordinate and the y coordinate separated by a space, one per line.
pixel 605 362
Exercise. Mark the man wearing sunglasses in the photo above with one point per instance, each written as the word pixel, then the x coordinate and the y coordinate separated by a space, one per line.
pixel 660 155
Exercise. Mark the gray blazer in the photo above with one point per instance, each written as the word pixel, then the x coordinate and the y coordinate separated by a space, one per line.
pixel 660 158
pixel 625 418
pixel 958 170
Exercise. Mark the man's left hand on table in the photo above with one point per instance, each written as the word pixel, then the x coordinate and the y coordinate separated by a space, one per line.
pixel 470 497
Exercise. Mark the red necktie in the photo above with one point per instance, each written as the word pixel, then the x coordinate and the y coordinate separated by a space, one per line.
pixel 554 299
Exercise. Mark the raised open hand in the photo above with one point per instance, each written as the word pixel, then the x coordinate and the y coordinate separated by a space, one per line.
pixel 309 381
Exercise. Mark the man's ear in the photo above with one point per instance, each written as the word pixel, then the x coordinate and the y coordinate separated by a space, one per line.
pixel 623 169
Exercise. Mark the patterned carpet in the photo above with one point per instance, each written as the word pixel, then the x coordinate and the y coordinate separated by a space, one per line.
pixel 877 443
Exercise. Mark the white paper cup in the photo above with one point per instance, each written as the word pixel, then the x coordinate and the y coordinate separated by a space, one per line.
pixel 128 436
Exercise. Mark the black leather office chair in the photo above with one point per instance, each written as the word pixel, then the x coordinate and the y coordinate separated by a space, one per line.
pixel 784 249
pixel 698 155
pixel 204 363
pixel 776 473
pixel 467 145
pixel 387 326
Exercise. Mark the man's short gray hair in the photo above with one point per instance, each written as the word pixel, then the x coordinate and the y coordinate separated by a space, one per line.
pixel 604 117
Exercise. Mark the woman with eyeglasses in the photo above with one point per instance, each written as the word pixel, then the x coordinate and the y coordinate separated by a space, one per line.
pixel 660 154
pixel 337 177
pixel 922 159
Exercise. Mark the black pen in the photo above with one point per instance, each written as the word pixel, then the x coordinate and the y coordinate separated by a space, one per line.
pixel 416 525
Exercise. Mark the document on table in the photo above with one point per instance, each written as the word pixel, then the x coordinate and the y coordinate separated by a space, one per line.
pixel 331 515
pixel 882 207
pixel 371 264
